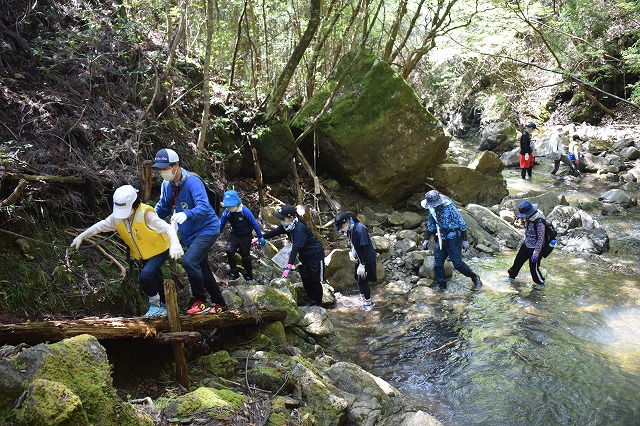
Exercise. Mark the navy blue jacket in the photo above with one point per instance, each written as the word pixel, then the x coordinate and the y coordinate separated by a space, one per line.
pixel 359 237
pixel 304 244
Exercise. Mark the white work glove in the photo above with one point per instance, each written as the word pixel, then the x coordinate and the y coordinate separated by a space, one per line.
pixel 425 245
pixel 465 245
pixel 361 271
pixel 526 157
pixel 78 240
pixel 352 255
pixel 179 218
pixel 175 251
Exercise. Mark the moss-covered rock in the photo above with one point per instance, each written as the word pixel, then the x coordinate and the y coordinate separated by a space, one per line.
pixel 267 297
pixel 51 404
pixel 270 378
pixel 377 135
pixel 275 331
pixel 226 401
pixel 78 369
pixel 221 364
pixel 274 144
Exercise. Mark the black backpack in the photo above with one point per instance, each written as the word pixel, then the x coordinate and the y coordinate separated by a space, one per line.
pixel 550 234
pixel 215 199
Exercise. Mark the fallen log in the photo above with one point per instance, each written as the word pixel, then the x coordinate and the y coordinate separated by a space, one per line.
pixel 122 328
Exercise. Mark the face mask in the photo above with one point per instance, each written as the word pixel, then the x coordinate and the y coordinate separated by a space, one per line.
pixel 345 227
pixel 167 175
pixel 291 225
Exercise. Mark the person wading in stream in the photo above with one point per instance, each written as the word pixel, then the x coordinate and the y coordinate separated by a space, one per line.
pixel 150 239
pixel 445 223
pixel 304 245
pixel 526 153
pixel 531 248
pixel 362 253
pixel 183 194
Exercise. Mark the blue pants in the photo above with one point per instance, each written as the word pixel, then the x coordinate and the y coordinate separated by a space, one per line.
pixel 451 248
pixel 151 278
pixel 196 264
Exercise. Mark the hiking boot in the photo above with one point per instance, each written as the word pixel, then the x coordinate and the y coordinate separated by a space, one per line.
pixel 198 307
pixel 440 285
pixel 234 275
pixel 248 277
pixel 477 283
pixel 538 286
pixel 217 309
pixel 310 303
pixel 512 276
pixel 155 311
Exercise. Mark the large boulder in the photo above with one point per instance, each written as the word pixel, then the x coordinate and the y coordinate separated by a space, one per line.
pixel 498 137
pixel 275 147
pixel 377 136
pixel 487 163
pixel 64 383
pixel 470 186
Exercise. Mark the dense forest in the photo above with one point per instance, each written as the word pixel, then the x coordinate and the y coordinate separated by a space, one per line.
pixel 91 89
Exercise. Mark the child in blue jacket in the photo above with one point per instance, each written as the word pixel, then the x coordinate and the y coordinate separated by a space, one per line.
pixel 242 224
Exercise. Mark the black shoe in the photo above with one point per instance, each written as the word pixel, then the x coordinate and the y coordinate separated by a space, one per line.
pixel 553 173
pixel 511 275
pixel 248 277
pixel 477 283
pixel 440 285
pixel 234 275
pixel 310 303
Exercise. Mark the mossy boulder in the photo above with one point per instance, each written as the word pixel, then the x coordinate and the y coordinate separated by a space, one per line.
pixel 78 373
pixel 221 364
pixel 50 403
pixel 274 143
pixel 226 401
pixel 376 136
pixel 267 297
pixel 270 378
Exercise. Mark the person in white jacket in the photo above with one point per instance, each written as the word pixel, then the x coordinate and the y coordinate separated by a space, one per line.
pixel 150 239
pixel 556 152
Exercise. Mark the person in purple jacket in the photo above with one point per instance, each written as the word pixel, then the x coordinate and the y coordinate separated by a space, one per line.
pixel 184 196
pixel 531 248
pixel 242 222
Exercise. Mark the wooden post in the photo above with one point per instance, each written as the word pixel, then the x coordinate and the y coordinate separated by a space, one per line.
pixel 148 179
pixel 171 297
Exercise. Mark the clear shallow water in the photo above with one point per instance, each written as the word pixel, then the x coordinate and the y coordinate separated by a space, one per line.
pixel 566 355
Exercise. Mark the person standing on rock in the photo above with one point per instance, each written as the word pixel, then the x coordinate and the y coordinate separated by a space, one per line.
pixel 306 247
pixel 555 151
pixel 531 248
pixel 150 239
pixel 183 193
pixel 445 223
pixel 575 151
pixel 362 253
pixel 526 153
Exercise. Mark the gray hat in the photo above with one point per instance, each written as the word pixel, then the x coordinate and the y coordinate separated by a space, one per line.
pixel 433 199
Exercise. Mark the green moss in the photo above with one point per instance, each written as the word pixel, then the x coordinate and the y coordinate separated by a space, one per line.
pixel 87 374
pixel 206 398
pixel 220 364
pixel 51 403
pixel 276 332
pixel 269 378
pixel 278 419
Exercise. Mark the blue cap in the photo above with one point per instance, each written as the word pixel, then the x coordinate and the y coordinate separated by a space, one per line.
pixel 231 199
pixel 165 157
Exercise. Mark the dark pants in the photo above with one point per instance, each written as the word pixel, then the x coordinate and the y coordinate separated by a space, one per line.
pixel 240 243
pixel 452 248
pixel 151 278
pixel 363 282
pixel 196 264
pixel 523 255
pixel 565 160
pixel 312 274
pixel 525 172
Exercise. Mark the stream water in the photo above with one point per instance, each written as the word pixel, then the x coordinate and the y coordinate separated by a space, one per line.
pixel 510 355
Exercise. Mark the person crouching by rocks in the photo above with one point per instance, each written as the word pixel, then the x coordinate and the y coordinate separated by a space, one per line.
pixel 362 253
pixel 242 222
pixel 531 248
pixel 150 239
pixel 306 247
pixel 450 231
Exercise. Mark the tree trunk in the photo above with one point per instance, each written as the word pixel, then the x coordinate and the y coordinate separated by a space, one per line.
pixel 285 76
pixel 395 28
pixel 237 44
pixel 206 102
